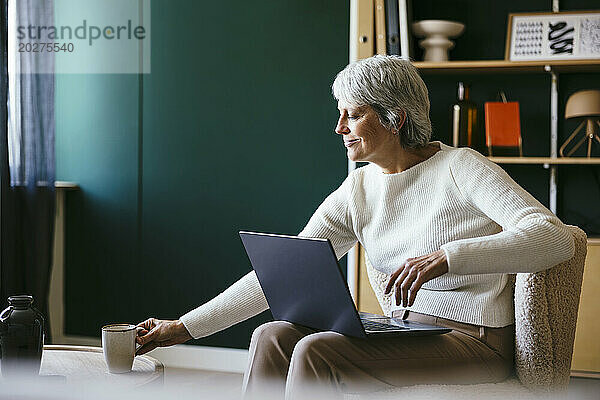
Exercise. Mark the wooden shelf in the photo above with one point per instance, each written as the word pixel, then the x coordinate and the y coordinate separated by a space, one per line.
pixel 545 160
pixel 502 66
pixel 595 241
pixel 66 185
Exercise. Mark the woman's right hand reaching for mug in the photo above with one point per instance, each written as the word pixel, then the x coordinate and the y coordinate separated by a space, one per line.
pixel 153 333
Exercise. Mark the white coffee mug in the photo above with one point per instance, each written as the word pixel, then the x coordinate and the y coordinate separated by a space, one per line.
pixel 118 345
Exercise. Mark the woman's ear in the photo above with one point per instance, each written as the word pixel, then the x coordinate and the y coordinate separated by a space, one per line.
pixel 396 131
pixel 402 121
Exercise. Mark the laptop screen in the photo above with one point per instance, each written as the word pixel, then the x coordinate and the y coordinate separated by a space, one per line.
pixel 302 282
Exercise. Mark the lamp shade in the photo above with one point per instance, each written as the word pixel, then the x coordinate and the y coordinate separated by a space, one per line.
pixel 585 103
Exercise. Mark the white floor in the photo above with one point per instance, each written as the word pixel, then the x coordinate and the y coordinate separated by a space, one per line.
pixel 199 379
pixel 203 383
pixel 212 382
pixel 228 385
pixel 584 388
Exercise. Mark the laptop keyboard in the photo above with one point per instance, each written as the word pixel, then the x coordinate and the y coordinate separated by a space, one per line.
pixel 378 326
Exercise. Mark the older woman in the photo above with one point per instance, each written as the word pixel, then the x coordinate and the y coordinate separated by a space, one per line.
pixel 443 228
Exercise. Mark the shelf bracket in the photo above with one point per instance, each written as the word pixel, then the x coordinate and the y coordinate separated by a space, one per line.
pixel 553 139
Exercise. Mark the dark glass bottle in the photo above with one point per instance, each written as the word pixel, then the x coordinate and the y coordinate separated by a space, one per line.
pixel 464 117
pixel 21 337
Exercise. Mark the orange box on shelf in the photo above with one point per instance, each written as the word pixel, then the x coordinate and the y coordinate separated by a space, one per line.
pixel 503 128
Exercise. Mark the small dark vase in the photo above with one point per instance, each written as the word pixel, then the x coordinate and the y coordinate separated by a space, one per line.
pixel 21 337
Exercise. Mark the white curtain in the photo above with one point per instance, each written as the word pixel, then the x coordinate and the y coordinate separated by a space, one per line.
pixel 31 98
pixel 27 167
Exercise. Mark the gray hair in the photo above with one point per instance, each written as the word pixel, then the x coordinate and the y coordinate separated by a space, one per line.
pixel 393 88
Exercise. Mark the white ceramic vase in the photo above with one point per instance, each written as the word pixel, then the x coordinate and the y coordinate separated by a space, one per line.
pixel 437 33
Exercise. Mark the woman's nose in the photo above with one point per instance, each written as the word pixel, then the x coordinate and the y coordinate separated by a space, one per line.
pixel 342 128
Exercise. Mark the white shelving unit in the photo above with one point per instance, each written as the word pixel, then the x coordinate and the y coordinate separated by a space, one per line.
pixel 362 45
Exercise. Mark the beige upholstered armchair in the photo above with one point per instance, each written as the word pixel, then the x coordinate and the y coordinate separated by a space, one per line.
pixel 546 305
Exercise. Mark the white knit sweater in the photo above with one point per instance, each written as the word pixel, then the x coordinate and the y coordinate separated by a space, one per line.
pixel 458 201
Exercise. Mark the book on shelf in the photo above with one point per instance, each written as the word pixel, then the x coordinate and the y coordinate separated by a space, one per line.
pixel 392 27
pixel 404 21
pixel 362 42
pixel 380 33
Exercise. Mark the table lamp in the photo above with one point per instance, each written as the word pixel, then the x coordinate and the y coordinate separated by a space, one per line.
pixel 583 104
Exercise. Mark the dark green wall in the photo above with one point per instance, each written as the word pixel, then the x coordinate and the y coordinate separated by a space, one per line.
pixel 233 129
pixel 96 145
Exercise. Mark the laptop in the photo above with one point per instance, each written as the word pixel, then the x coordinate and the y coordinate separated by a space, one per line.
pixel 303 284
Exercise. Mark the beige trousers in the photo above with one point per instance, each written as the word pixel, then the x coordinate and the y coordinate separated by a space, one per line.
pixel 297 361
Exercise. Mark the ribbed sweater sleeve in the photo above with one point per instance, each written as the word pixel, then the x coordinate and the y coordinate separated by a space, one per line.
pixel 332 221
pixel 242 300
pixel 532 237
pixel 245 298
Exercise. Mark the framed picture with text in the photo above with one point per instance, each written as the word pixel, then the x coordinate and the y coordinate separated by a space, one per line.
pixel 553 36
